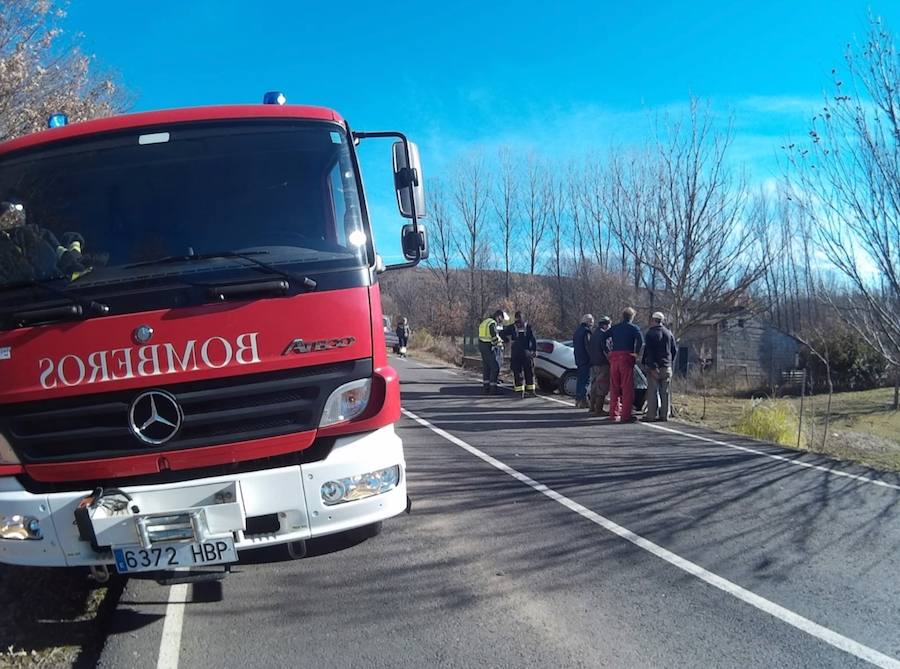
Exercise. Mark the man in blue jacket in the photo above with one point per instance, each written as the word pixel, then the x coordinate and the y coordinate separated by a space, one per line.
pixel 626 341
pixel 581 340
pixel 599 367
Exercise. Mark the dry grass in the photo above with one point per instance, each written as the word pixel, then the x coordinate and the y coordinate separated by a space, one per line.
pixel 49 616
pixel 863 427
pixel 423 344
pixel 769 420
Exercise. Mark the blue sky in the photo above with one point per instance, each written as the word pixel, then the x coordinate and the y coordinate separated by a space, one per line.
pixel 555 77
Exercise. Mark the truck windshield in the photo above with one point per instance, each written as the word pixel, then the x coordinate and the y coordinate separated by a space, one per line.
pixel 99 210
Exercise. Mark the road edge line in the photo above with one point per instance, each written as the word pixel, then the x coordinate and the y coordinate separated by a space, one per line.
pixel 829 636
pixel 746 449
pixel 170 641
pixel 775 456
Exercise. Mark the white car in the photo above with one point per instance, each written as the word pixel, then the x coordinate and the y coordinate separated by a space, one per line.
pixel 554 369
pixel 390 335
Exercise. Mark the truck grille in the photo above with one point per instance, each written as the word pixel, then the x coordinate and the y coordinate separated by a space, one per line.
pixel 220 411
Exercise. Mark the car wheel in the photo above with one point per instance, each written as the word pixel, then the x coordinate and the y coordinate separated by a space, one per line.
pixel 546 384
pixel 568 384
pixel 640 396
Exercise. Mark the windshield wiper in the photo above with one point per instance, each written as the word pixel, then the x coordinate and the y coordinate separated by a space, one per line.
pixel 77 308
pixel 303 281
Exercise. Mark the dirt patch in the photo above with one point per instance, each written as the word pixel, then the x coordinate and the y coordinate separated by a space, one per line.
pixel 50 617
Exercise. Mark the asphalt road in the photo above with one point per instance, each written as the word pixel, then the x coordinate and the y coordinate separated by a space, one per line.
pixel 542 538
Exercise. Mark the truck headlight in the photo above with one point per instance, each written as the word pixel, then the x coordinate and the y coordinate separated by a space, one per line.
pixel 7 454
pixel 360 486
pixel 17 526
pixel 347 402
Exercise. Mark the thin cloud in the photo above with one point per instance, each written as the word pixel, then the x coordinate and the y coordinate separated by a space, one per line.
pixel 781 104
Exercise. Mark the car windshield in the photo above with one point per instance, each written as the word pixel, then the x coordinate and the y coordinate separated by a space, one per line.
pixel 87 211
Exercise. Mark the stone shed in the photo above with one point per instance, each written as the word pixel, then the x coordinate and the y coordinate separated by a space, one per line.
pixel 738 344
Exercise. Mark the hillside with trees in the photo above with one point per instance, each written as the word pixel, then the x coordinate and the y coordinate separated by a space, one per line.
pixel 673 224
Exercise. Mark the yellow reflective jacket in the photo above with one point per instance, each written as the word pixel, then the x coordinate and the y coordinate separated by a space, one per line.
pixel 484 332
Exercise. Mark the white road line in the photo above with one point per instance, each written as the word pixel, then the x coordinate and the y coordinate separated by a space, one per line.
pixel 170 643
pixel 814 629
pixel 747 449
pixel 774 456
pixel 553 399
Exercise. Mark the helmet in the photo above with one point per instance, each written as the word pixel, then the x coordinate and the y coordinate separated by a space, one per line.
pixel 12 214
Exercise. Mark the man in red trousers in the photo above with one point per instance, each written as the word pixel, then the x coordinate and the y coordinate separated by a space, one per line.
pixel 625 342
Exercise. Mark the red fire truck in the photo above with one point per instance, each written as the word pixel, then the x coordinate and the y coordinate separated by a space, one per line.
pixel 192 355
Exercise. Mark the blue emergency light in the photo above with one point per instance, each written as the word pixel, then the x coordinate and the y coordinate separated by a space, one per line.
pixel 57 120
pixel 274 98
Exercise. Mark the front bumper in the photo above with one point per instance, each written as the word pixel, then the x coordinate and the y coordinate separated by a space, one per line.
pixel 224 502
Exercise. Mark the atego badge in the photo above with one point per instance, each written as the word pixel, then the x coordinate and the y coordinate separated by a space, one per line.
pixel 300 346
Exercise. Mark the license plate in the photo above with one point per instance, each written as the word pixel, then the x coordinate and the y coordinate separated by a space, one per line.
pixel 130 559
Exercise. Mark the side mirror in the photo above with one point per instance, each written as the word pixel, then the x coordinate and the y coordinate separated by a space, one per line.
pixel 415 244
pixel 408 180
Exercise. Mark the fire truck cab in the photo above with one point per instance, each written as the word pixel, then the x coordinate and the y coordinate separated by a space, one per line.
pixel 192 354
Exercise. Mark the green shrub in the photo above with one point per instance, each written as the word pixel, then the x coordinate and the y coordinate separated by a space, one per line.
pixel 854 364
pixel 769 420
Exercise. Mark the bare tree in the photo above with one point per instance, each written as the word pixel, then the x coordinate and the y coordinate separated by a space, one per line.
pixel 791 286
pixel 584 291
pixel 505 200
pixel 38 77
pixel 847 177
pixel 535 209
pixel 442 244
pixel 590 188
pixel 555 204
pixel 678 212
pixel 471 193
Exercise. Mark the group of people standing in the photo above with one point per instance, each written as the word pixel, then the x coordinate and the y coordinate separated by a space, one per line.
pixel 492 334
pixel 606 355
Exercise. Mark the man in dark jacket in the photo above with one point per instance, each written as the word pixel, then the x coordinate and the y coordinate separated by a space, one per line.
pixel 521 356
pixel 581 340
pixel 403 333
pixel 599 367
pixel 625 343
pixel 29 252
pixel 660 350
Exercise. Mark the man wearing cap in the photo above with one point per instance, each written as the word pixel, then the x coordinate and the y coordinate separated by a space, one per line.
pixel 625 341
pixel 581 341
pixel 599 367
pixel 660 350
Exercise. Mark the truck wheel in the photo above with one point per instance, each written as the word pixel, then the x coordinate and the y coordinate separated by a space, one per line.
pixel 568 384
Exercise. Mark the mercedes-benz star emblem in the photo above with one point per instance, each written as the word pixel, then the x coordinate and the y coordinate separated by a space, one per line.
pixel 155 417
pixel 142 334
